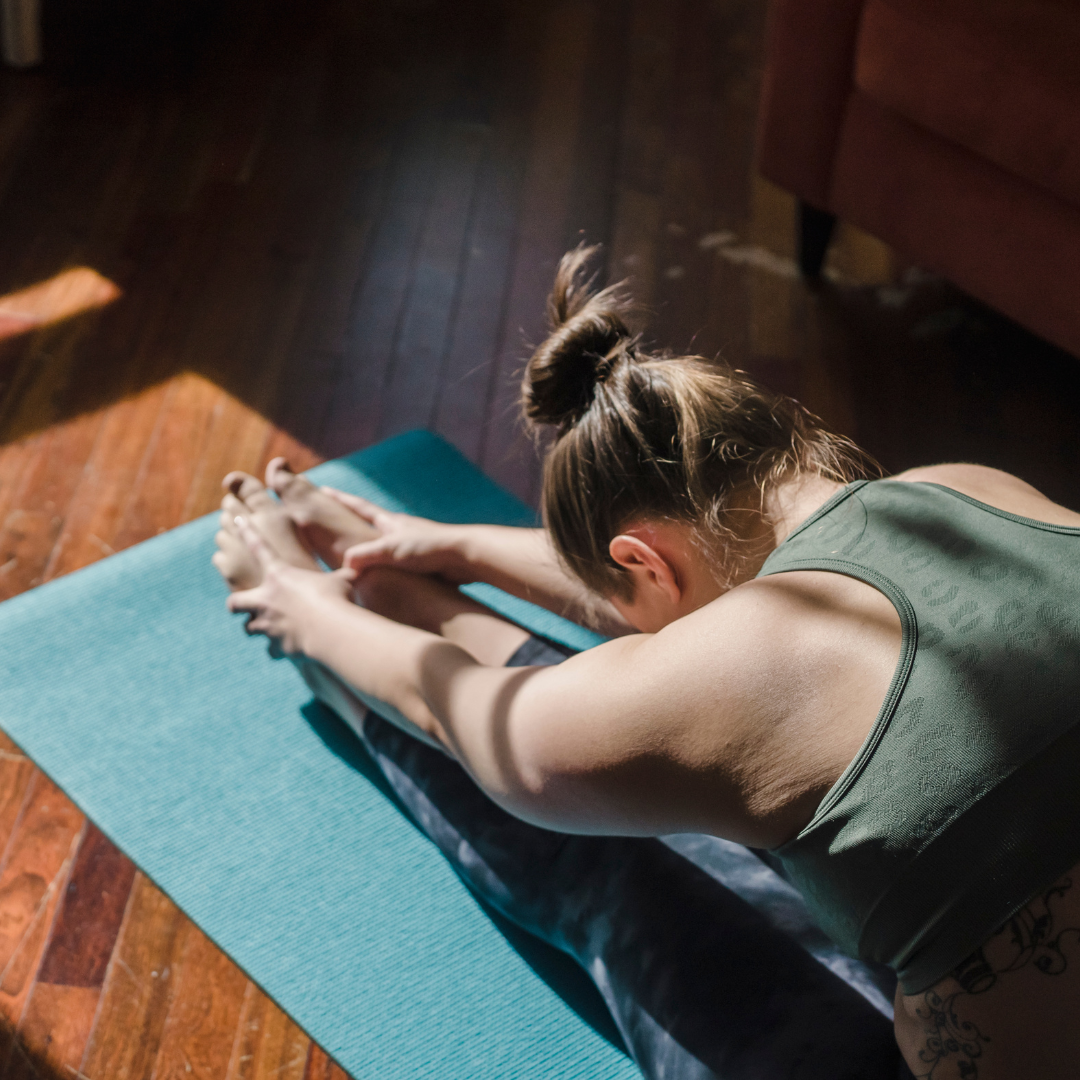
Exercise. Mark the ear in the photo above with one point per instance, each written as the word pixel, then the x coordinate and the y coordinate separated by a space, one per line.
pixel 648 568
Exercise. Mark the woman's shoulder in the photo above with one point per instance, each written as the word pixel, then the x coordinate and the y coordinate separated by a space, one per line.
pixel 996 488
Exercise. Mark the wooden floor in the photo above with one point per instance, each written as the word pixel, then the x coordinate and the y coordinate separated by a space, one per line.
pixel 229 231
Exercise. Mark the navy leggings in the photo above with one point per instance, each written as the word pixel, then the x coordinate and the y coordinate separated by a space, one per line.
pixel 705 958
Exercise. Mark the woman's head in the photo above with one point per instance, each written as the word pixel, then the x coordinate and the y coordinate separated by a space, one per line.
pixel 642 436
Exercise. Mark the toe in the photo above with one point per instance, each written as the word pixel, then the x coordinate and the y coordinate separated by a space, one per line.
pixel 234 562
pixel 284 481
pixel 233 480
pixel 278 474
pixel 230 507
pixel 251 493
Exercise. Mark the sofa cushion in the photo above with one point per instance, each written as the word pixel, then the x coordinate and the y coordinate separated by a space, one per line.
pixel 999 77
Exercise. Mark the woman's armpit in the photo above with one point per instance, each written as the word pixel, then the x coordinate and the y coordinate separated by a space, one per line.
pixel 1010 1010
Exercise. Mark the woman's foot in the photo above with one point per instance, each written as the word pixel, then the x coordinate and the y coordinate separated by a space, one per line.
pixel 233 559
pixel 328 528
pixel 246 497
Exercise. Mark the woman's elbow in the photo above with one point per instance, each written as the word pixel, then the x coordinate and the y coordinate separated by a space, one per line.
pixel 529 789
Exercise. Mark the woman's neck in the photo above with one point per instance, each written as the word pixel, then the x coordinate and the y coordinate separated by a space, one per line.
pixel 792 501
pixel 768 520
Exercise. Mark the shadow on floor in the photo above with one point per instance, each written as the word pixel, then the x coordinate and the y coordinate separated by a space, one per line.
pixel 23 1063
pixel 933 376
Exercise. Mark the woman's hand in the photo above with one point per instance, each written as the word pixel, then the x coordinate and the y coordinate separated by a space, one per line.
pixel 405 542
pixel 288 602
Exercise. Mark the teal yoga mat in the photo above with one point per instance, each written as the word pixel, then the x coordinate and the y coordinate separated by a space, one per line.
pixel 206 762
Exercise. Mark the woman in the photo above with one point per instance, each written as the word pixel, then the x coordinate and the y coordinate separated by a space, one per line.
pixel 874 679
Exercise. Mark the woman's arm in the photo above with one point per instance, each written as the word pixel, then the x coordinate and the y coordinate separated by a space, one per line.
pixel 519 561
pixel 603 743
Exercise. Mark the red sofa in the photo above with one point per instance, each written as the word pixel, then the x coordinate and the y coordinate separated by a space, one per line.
pixel 948 128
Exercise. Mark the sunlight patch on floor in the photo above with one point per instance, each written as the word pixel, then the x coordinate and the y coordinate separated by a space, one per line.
pixel 68 293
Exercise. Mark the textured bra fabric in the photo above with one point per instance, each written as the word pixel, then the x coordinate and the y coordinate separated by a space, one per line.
pixel 962 802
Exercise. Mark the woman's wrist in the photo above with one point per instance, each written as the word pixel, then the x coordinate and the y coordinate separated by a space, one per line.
pixel 462 554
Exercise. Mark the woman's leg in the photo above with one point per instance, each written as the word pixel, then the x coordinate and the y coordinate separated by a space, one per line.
pixel 700 984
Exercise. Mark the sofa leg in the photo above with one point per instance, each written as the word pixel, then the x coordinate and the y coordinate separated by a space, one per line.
pixel 815 232
pixel 20 32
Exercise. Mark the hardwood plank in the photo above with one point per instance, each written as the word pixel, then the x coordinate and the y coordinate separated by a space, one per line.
pixel 15 459
pixel 354 413
pixel 315 360
pixel 92 199
pixel 138 990
pixel 88 922
pixel 456 299
pixel 415 368
pixel 36 860
pixel 789 349
pixel 856 256
pixel 425 91
pixel 16 773
pixel 36 514
pixel 238 435
pixel 726 327
pixel 642 150
pixel 372 117
pixel 104 492
pixel 24 108
pixel 320 1066
pixel 269 1044
pixel 300 169
pixel 159 490
pixel 53 1032
pixel 8 748
pixel 282 444
pixel 634 245
pixel 204 1014
pixel 772 227
pixel 49 193
pixel 250 105
pixel 195 325
pixel 35 872
pixel 590 206
pixel 699 55
pixel 505 453
pixel 468 371
pixel 256 279
pixel 235 440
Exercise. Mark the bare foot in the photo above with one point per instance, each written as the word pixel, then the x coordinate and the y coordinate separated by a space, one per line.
pixel 328 528
pixel 246 497
pixel 233 559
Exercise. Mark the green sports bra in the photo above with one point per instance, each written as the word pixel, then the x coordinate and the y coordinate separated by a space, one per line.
pixel 964 800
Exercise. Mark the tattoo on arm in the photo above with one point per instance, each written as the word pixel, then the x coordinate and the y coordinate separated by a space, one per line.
pixel 1030 937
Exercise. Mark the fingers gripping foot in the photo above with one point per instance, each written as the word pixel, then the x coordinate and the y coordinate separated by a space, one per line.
pixel 328 528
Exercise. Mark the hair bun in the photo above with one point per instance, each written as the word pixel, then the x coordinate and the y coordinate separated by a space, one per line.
pixel 588 337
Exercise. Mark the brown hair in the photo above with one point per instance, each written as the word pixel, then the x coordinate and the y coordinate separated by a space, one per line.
pixel 641 435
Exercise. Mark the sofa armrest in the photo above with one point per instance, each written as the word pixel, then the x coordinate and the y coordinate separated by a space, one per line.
pixel 809 61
